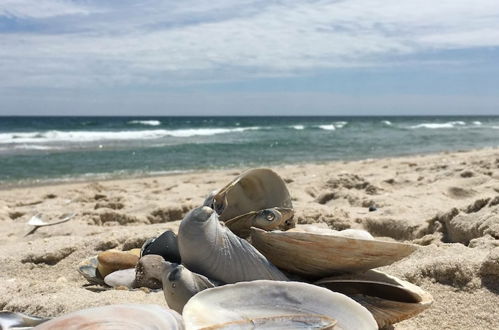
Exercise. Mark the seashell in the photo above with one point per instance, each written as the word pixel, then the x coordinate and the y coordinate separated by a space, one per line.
pixel 253 190
pixel 88 268
pixel 180 284
pixel 121 278
pixel 388 298
pixel 126 316
pixel 315 255
pixel 36 221
pixel 14 320
pixel 323 229
pixel 113 260
pixel 209 248
pixel 267 219
pixel 274 304
pixel 164 245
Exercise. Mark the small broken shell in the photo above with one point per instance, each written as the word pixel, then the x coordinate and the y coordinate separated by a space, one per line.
pixel 388 298
pixel 88 269
pixel 126 316
pixel 267 219
pixel 14 320
pixel 315 255
pixel 36 221
pixel 252 191
pixel 274 304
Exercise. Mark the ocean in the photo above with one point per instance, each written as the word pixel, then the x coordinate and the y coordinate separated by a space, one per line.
pixel 36 150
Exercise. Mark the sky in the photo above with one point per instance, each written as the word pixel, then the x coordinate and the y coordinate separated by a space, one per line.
pixel 249 57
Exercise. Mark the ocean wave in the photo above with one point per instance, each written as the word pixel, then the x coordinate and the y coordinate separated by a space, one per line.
pixel 145 122
pixel 450 124
pixel 35 147
pixel 298 127
pixel 340 124
pixel 91 136
pixel 387 122
pixel 327 127
pixel 477 123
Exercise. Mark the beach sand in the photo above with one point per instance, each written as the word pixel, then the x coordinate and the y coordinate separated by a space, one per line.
pixel 448 203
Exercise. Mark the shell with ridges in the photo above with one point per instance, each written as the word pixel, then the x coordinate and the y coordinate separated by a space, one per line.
pixel 210 249
pixel 317 255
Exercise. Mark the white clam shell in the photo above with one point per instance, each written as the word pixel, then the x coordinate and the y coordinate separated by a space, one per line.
pixel 274 304
pixel 317 255
pixel 210 249
pixel 126 316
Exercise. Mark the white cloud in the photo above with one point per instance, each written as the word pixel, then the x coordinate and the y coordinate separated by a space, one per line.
pixel 169 42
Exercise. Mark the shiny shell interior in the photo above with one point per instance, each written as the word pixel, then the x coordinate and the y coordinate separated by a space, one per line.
pixel 88 268
pixel 274 304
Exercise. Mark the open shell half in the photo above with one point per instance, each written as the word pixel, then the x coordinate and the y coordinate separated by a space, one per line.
pixel 388 298
pixel 314 255
pixel 274 304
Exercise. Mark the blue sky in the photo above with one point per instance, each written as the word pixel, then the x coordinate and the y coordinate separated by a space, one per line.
pixel 221 57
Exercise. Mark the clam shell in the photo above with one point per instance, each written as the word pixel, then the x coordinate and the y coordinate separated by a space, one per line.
pixel 274 304
pixel 388 298
pixel 127 316
pixel 14 320
pixel 254 190
pixel 88 268
pixel 210 249
pixel 267 219
pixel 180 284
pixel 317 255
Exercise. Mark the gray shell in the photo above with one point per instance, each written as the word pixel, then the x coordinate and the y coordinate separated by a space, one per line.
pixel 180 284
pixel 210 249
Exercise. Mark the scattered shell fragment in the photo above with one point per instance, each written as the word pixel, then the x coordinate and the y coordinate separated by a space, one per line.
pixel 180 284
pixel 388 298
pixel 14 320
pixel 88 268
pixel 252 191
pixel 127 316
pixel 37 221
pixel 274 304
pixel 317 255
pixel 149 271
pixel 208 248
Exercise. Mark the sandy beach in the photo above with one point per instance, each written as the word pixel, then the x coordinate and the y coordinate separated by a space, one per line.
pixel 448 203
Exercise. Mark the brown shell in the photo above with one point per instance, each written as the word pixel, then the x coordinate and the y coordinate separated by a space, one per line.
pixel 317 255
pixel 388 298
pixel 252 191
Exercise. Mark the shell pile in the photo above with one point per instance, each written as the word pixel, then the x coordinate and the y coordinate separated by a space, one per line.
pixel 230 267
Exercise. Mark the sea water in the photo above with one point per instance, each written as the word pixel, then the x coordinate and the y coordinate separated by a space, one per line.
pixel 48 149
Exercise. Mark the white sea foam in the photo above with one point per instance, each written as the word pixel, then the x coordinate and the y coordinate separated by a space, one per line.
pixel 35 147
pixel 90 136
pixel 477 123
pixel 327 127
pixel 340 124
pixel 387 122
pixel 145 122
pixel 450 124
pixel 298 127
